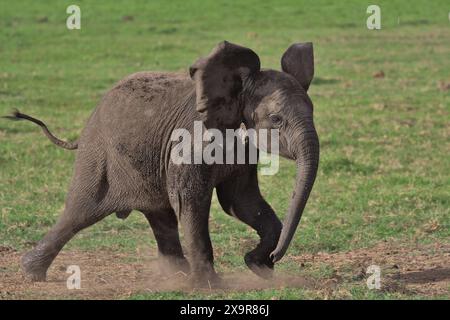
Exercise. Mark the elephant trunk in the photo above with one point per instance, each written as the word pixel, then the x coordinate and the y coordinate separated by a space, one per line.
pixel 306 153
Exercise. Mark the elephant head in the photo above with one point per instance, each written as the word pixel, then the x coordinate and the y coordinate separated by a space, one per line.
pixel 232 89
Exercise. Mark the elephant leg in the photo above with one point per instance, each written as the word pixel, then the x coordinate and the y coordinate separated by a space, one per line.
pixel 75 217
pixel 242 199
pixel 86 204
pixel 261 218
pixel 258 215
pixel 194 217
pixel 165 228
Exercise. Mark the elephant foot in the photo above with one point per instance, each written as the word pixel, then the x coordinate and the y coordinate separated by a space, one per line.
pixel 262 267
pixel 33 271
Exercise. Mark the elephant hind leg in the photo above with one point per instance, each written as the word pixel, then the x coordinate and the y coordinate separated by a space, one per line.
pixel 76 217
pixel 164 224
pixel 87 203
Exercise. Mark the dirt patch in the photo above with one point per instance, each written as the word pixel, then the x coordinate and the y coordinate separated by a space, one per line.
pixel 405 268
pixel 111 275
pixel 423 270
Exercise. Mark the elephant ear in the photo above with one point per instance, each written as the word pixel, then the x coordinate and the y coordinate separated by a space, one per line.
pixel 219 80
pixel 298 61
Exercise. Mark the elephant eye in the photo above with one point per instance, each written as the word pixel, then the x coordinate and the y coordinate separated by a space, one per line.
pixel 275 119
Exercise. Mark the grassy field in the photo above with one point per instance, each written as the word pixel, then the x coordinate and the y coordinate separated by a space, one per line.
pixel 384 174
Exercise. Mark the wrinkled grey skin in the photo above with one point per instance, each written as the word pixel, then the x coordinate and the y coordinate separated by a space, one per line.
pixel 123 158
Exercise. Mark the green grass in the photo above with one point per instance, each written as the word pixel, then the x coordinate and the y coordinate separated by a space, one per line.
pixel 384 170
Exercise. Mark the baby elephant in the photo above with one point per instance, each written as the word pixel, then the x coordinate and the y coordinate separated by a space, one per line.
pixel 124 162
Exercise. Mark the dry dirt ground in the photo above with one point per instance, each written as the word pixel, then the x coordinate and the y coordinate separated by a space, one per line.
pixel 409 269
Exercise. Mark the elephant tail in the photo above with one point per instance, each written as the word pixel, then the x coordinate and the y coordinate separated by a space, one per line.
pixel 16 115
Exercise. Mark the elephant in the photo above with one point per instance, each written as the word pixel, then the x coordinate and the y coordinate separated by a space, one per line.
pixel 123 160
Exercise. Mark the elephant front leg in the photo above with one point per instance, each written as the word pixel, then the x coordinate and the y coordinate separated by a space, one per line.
pixel 241 198
pixel 261 217
pixel 194 216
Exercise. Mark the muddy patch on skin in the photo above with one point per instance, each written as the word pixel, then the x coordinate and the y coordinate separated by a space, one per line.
pixel 423 270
